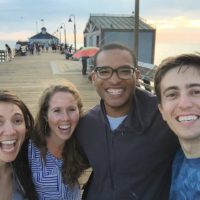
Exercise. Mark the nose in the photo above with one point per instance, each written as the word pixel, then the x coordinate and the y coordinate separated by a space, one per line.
pixel 66 116
pixel 184 102
pixel 8 129
pixel 114 78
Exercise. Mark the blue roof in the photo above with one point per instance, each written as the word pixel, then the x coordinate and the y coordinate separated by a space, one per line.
pixel 43 35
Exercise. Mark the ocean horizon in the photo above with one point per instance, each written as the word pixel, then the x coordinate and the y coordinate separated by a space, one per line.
pixel 162 50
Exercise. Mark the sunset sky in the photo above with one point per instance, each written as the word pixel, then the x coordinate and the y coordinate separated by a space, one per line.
pixel 175 21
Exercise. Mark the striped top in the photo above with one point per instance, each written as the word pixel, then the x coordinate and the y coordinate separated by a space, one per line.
pixel 47 177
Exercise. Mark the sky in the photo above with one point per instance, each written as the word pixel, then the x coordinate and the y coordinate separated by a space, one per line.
pixel 177 22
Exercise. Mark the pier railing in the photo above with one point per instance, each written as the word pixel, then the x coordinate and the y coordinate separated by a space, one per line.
pixel 147 72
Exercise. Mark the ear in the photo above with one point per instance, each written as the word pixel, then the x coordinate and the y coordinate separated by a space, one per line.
pixel 161 111
pixel 93 77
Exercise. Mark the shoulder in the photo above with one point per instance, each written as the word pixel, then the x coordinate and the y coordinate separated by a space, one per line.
pixel 178 160
pixel 33 151
pixel 143 96
pixel 93 113
pixel 146 104
pixel 89 121
pixel 179 157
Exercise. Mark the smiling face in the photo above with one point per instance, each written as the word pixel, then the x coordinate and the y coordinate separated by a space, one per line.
pixel 62 116
pixel 116 93
pixel 12 131
pixel 180 102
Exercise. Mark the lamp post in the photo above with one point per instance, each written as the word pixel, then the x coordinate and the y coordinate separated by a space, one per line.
pixel 58 31
pixel 70 20
pixel 64 31
pixel 136 27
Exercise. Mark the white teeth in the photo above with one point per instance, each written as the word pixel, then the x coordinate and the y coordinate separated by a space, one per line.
pixel 7 145
pixel 64 126
pixel 115 91
pixel 187 118
pixel 8 142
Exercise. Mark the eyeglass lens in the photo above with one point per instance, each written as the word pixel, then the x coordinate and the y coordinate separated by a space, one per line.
pixel 123 72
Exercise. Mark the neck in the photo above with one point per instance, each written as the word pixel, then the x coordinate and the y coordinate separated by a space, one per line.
pixel 4 167
pixel 118 111
pixel 191 148
pixel 54 148
pixel 6 181
pixel 2 163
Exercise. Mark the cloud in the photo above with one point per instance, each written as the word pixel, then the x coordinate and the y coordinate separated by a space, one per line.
pixel 170 17
pixel 22 35
pixel 173 22
pixel 177 29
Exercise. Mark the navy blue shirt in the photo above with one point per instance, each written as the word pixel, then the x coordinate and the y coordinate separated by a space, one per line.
pixel 185 178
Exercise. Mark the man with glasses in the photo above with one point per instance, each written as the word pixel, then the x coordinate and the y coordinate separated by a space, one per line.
pixel 128 145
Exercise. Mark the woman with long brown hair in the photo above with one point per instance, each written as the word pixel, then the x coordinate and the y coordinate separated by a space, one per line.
pixel 54 154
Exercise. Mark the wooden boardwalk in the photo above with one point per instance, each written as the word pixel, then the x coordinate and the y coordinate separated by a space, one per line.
pixel 29 75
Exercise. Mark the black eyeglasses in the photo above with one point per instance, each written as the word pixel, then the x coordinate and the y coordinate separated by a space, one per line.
pixel 123 72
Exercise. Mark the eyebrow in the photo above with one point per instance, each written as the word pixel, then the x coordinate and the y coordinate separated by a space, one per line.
pixel 176 88
pixel 15 114
pixel 19 114
pixel 193 85
pixel 170 88
pixel 53 108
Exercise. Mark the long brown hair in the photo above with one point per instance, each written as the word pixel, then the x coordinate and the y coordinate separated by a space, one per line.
pixel 73 160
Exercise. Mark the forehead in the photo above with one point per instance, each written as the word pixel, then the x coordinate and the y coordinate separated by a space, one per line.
pixel 114 57
pixel 7 108
pixel 62 97
pixel 181 76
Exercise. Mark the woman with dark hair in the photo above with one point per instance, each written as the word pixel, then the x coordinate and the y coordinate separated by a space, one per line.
pixel 54 154
pixel 16 122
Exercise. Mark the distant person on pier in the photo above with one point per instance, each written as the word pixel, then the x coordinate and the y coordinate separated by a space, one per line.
pixel 8 49
pixel 17 48
pixel 84 65
pixel 70 48
pixel 53 46
pixel 37 47
pixel 46 47
pixel 31 48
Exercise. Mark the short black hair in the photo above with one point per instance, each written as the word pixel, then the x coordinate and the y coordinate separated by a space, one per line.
pixel 112 46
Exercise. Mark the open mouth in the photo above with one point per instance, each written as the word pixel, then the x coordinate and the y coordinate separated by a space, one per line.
pixel 64 127
pixel 188 118
pixel 115 91
pixel 8 145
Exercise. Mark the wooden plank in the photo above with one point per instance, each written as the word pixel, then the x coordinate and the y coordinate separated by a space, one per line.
pixel 28 76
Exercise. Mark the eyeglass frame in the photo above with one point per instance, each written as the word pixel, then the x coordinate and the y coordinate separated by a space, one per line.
pixel 115 70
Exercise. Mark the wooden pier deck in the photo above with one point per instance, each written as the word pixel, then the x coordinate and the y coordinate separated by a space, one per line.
pixel 28 76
